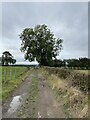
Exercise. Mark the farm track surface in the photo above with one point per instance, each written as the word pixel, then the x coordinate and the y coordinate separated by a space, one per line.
pixel 20 91
pixel 46 105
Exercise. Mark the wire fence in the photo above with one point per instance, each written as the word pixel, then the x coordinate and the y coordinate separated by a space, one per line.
pixel 9 74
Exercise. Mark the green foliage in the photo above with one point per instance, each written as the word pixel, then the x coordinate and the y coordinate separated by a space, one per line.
pixel 83 63
pixel 7 58
pixel 58 63
pixel 39 42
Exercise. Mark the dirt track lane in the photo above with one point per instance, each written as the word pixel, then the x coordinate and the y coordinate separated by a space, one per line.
pixel 21 91
pixel 46 107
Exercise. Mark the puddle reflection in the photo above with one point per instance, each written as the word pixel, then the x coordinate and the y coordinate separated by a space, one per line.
pixel 15 104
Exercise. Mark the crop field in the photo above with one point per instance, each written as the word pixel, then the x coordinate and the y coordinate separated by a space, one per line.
pixel 11 77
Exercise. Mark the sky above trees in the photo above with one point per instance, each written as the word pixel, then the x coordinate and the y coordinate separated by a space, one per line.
pixel 68 21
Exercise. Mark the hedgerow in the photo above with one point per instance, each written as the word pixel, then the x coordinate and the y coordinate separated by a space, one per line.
pixel 76 79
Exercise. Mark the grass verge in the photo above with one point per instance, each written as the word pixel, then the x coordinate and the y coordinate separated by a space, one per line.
pixel 75 79
pixel 73 101
pixel 11 84
pixel 27 110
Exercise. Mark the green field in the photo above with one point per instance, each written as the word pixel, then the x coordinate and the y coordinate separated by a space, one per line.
pixel 12 76
pixel 83 71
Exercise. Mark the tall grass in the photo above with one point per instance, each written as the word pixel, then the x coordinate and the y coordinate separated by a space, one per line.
pixel 76 79
pixel 64 83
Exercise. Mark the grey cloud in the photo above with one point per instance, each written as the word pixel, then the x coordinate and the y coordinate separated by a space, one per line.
pixel 66 20
pixel 29 14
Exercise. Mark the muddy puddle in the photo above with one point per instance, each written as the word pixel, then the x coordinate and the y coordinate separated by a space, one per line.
pixel 15 103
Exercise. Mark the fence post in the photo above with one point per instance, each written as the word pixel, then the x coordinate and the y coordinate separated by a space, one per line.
pixel 4 76
pixel 10 74
pixel 15 73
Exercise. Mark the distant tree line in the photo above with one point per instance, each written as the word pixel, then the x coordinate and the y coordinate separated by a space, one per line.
pixel 82 63
pixel 58 63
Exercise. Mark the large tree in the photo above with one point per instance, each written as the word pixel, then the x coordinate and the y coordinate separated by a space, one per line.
pixel 39 42
pixel 7 58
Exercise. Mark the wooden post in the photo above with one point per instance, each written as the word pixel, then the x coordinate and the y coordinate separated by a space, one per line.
pixel 4 76
pixel 10 74
pixel 15 73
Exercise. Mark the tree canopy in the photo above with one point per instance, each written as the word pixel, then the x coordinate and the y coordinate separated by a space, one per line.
pixel 81 62
pixel 39 42
pixel 7 58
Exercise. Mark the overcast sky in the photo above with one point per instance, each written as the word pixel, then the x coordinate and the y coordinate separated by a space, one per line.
pixel 68 21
